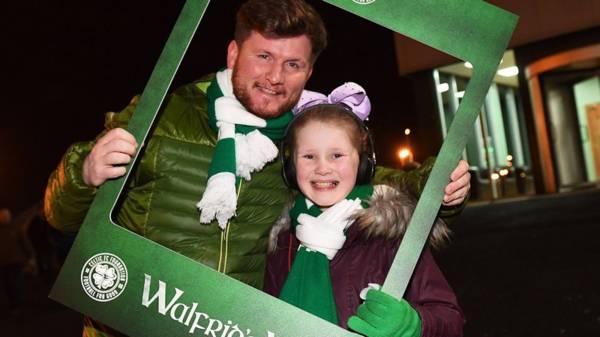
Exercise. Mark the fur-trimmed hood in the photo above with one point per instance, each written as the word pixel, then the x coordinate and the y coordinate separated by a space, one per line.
pixel 389 212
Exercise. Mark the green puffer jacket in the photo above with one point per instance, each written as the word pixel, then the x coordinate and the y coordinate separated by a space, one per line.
pixel 170 180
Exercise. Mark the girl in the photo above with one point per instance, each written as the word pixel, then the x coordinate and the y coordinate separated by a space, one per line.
pixel 345 233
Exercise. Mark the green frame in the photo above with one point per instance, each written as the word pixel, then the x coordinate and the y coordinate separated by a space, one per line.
pixel 159 292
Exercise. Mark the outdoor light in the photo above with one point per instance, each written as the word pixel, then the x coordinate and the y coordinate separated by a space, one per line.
pixel 404 153
pixel 495 176
pixel 443 87
pixel 407 131
pixel 503 172
pixel 509 71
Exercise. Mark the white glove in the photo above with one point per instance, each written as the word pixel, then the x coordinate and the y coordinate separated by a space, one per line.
pixel 325 233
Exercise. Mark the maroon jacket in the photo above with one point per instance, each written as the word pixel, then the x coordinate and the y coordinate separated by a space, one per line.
pixel 361 261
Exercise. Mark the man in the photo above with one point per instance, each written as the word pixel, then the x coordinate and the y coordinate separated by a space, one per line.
pixel 201 132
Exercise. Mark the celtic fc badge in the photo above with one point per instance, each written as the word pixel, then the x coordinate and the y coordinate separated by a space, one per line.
pixel 104 277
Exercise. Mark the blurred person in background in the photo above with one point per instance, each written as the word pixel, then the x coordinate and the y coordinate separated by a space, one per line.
pixel 16 255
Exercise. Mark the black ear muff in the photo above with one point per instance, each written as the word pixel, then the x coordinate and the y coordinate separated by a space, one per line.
pixel 366 169
pixel 366 164
pixel 288 168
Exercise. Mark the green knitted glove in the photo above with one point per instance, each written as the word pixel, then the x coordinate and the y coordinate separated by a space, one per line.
pixel 381 315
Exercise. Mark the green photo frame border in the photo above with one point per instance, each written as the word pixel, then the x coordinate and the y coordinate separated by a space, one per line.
pixel 193 299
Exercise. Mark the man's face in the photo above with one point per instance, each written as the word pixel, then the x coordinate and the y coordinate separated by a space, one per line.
pixel 269 74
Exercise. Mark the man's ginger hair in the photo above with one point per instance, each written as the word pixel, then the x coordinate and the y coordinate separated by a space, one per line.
pixel 281 19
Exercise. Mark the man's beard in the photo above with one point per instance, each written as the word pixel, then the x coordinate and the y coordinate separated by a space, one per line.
pixel 242 95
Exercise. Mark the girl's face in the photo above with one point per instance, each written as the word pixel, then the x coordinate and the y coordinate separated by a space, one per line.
pixel 326 163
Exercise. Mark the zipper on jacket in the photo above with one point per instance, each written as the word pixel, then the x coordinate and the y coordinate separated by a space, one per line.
pixel 225 240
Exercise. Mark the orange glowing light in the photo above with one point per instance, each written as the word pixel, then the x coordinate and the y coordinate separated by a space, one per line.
pixel 404 153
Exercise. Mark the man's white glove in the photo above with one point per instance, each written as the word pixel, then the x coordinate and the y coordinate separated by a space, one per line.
pixel 325 233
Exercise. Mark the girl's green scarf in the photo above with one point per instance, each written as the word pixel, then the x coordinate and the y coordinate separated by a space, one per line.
pixel 308 285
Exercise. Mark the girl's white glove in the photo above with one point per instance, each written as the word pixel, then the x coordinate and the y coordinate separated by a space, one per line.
pixel 325 233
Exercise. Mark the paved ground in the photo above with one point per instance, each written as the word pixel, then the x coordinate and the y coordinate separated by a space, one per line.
pixel 526 267
pixel 529 267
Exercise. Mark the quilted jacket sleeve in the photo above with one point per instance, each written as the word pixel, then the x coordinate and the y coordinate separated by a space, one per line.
pixel 68 198
pixel 414 181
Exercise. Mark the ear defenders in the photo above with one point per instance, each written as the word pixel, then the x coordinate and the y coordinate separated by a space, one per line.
pixel 366 164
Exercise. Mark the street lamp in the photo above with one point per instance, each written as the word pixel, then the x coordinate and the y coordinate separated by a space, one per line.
pixel 405 155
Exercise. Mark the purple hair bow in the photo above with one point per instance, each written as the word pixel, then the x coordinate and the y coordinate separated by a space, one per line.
pixel 350 94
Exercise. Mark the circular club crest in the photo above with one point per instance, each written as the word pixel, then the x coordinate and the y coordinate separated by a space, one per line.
pixel 104 277
pixel 364 2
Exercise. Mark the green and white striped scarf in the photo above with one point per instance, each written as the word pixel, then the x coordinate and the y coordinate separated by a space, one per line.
pixel 308 285
pixel 245 145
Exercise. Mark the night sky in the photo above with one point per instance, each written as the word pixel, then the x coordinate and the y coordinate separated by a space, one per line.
pixel 70 62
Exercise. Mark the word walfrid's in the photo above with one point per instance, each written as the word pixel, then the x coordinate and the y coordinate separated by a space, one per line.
pixel 188 316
